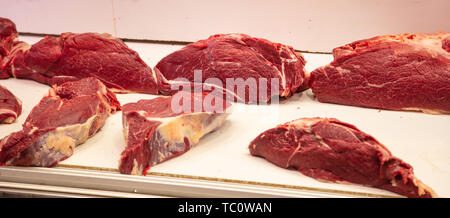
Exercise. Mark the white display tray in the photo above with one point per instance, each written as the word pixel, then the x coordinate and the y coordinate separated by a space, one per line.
pixel 220 165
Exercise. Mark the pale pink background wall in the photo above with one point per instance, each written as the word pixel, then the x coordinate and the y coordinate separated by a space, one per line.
pixel 318 25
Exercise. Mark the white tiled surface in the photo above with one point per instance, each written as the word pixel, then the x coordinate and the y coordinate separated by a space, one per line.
pixel 419 139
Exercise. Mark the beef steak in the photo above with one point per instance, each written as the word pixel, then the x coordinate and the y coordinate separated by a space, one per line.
pixel 10 106
pixel 74 56
pixel 331 150
pixel 66 117
pixel 396 72
pixel 232 57
pixel 8 36
pixel 156 131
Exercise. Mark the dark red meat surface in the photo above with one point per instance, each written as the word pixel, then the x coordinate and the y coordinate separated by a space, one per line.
pixel 67 116
pixel 8 37
pixel 10 106
pixel 155 130
pixel 396 72
pixel 235 56
pixel 330 150
pixel 74 56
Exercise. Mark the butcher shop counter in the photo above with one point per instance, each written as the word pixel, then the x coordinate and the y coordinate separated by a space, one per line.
pixel 220 165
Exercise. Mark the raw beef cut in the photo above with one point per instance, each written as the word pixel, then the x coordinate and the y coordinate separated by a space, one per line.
pixel 157 130
pixel 10 106
pixel 74 56
pixel 66 117
pixel 8 36
pixel 395 72
pixel 331 150
pixel 259 68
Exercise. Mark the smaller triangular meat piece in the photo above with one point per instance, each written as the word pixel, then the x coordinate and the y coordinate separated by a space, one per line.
pixel 65 118
pixel 330 150
pixel 162 128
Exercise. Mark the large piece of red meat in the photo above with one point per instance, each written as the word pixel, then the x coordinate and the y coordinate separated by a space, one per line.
pixel 10 106
pixel 66 117
pixel 162 128
pixel 396 72
pixel 262 69
pixel 74 56
pixel 8 37
pixel 331 150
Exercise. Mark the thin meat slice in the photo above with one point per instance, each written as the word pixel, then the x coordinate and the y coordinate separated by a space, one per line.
pixel 162 128
pixel 65 118
pixel 395 72
pixel 8 37
pixel 244 68
pixel 74 56
pixel 330 150
pixel 10 106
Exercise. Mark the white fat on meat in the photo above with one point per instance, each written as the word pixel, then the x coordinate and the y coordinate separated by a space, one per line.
pixel 59 143
pixel 427 111
pixel 191 126
pixel 11 112
pixel 174 131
